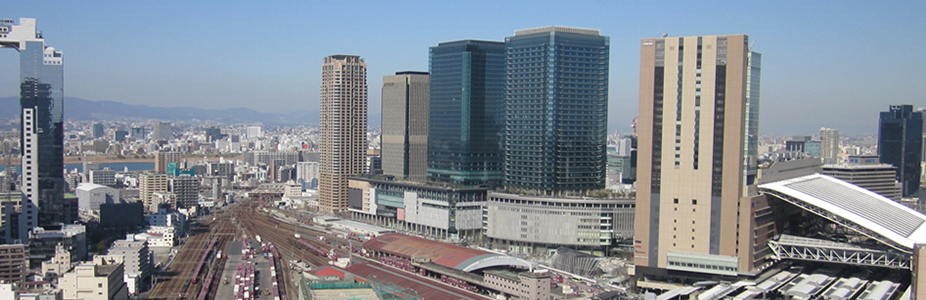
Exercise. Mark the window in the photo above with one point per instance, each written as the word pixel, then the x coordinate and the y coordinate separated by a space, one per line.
pixel 675 200
pixel 694 201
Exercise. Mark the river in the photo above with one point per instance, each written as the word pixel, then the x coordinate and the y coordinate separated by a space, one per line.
pixel 119 167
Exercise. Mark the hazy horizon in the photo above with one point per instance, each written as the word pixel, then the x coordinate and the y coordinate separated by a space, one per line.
pixel 824 65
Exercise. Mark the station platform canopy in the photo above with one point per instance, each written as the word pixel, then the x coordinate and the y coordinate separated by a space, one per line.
pixel 857 208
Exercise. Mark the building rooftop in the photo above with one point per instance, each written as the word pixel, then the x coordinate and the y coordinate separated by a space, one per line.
pixel 557 29
pixel 86 186
pixel 504 274
pixel 447 255
pixel 846 166
pixel 869 210
pixel 417 286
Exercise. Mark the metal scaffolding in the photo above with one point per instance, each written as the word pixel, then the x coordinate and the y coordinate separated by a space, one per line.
pixel 801 248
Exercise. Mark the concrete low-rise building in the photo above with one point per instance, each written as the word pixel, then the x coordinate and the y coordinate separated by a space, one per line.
pixel 524 285
pixel 43 244
pixel 157 239
pixel 165 218
pixel 90 196
pixel 429 209
pixel 101 279
pixel 13 263
pixel 137 258
pixel 528 224
pixel 58 265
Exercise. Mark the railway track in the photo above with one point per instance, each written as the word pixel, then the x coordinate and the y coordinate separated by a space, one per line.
pixel 282 235
pixel 178 281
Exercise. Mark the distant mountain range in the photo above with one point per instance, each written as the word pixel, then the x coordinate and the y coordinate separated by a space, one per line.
pixel 87 110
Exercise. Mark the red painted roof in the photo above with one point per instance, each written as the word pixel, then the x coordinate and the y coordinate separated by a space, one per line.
pixel 328 271
pixel 409 246
pixel 425 287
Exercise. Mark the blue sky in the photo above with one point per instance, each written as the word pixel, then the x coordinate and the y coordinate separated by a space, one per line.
pixel 825 63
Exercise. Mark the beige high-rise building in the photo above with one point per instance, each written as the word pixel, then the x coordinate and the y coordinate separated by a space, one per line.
pixel 343 128
pixel 148 184
pixel 405 125
pixel 829 145
pixel 161 159
pixel 698 129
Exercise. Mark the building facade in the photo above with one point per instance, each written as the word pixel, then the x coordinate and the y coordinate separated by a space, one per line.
pixel 149 184
pixel 90 196
pixel 343 128
pixel 465 130
pixel 432 210
pixel 162 159
pixel 900 143
pixel 867 172
pixel 697 99
pixel 186 189
pixel 137 260
pixel 105 177
pixel 14 263
pixel 531 224
pixel 163 131
pixel 97 130
pixel 556 113
pixel 41 128
pixel 405 125
pixel 307 174
pixel 101 279
pixel 829 145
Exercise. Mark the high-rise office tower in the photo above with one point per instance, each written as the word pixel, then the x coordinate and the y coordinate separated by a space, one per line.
pixel 405 125
pixel 42 142
pixel 467 91
pixel 900 143
pixel 556 109
pixel 97 130
pixel 829 145
pixel 343 128
pixel 163 131
pixel 698 119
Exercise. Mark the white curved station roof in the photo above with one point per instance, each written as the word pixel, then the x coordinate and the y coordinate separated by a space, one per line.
pixel 894 221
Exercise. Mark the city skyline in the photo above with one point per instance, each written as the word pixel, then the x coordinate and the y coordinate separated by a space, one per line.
pixel 820 56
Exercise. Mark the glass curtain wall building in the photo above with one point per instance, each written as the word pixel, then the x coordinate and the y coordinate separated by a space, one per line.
pixel 42 143
pixel 467 107
pixel 900 142
pixel 556 110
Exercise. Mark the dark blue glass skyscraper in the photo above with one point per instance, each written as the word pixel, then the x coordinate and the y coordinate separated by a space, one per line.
pixel 466 112
pixel 900 143
pixel 557 110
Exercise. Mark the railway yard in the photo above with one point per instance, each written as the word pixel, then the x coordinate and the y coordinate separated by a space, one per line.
pixel 252 251
pixel 210 261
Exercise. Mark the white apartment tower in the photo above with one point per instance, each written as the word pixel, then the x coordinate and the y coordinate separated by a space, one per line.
pixel 829 145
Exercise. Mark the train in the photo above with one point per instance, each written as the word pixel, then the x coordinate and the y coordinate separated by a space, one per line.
pixel 202 261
